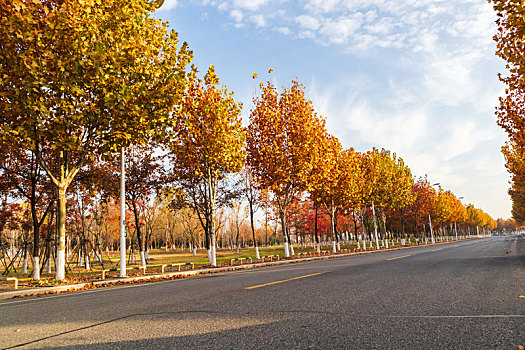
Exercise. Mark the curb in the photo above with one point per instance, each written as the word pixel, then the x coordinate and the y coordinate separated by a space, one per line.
pixel 183 274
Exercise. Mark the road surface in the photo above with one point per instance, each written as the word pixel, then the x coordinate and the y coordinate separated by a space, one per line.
pixel 466 295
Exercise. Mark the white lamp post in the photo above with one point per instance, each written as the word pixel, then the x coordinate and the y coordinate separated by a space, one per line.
pixel 156 4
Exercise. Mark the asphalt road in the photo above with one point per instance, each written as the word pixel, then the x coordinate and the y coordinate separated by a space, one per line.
pixel 463 295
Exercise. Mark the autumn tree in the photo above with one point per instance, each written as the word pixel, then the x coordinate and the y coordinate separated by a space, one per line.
pixel 253 197
pixel 144 177
pixel 334 180
pixel 78 79
pixel 283 137
pixel 510 40
pixel 25 179
pixel 207 146
pixel 387 182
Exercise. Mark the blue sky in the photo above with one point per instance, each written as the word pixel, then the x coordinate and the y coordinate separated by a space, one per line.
pixel 418 77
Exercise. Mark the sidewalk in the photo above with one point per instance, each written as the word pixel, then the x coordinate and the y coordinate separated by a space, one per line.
pixel 21 293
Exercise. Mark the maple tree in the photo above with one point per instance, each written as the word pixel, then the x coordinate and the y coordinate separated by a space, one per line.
pixel 282 141
pixel 207 146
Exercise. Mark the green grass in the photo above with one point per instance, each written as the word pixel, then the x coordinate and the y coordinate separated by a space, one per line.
pixel 159 257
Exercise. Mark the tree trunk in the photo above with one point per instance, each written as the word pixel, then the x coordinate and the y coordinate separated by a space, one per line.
pixel 140 239
pixel 290 246
pixel 238 231
pixel 60 263
pixel 282 213
pixel 332 228
pixel 316 229
pixel 257 256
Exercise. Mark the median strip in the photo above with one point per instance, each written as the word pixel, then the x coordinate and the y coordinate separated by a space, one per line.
pixel 398 257
pixel 287 280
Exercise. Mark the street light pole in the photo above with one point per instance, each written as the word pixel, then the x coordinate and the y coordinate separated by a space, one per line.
pixel 156 4
pixel 431 232
pixel 122 214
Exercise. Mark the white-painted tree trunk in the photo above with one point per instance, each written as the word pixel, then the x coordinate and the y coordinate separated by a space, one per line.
pixel 142 258
pixel 364 244
pixel 387 244
pixel 87 261
pixel 334 247
pixel 292 252
pixel 60 265
pixel 371 245
pixel 286 252
pixel 80 258
pixel 24 265
pixel 194 251
pixel 36 268
pixel 209 255
pixel 213 255
pixel 257 256
pixel 358 245
pixel 319 247
pixel 338 246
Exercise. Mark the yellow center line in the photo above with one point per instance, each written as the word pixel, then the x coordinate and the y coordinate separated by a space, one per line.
pixel 435 250
pixel 290 279
pixel 398 257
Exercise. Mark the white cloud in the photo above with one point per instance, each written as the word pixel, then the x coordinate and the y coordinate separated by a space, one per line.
pixel 284 30
pixel 308 22
pixel 252 5
pixel 258 20
pixel 319 6
pixel 338 31
pixel 237 15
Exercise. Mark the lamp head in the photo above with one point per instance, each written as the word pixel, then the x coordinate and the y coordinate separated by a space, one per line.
pixel 156 3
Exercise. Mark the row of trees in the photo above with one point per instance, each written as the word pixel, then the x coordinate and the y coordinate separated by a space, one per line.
pixel 79 81
pixel 511 113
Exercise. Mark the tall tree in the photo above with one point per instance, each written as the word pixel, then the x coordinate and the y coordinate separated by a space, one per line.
pixel 334 180
pixel 144 177
pixel 510 40
pixel 21 172
pixel 283 137
pixel 208 145
pixel 78 79
pixel 253 196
